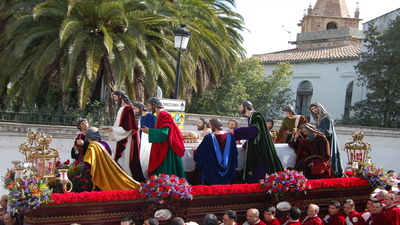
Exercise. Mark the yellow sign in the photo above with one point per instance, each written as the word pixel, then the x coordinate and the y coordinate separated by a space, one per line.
pixel 179 118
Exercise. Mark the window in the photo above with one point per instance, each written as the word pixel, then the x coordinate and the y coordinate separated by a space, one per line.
pixel 303 101
pixel 347 102
pixel 331 26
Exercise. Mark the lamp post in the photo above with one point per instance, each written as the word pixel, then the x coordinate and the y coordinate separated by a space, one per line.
pixel 181 40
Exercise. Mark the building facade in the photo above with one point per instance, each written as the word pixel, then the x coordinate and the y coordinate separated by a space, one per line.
pixel 327 49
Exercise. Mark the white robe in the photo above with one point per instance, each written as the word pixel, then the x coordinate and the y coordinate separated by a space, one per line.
pixel 145 148
pixel 120 134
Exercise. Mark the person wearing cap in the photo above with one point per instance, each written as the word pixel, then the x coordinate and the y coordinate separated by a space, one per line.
pixel 167 146
pixel 289 124
pixel 147 119
pixel 312 151
pixel 125 132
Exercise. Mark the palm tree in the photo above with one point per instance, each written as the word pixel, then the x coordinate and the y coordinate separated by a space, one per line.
pixel 89 45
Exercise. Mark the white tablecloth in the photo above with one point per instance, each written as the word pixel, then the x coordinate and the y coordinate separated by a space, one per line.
pixel 285 154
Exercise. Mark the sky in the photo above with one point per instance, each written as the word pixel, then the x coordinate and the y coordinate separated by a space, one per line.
pixel 272 23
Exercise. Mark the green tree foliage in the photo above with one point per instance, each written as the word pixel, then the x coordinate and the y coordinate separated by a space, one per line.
pixel 97 46
pixel 267 93
pixel 379 70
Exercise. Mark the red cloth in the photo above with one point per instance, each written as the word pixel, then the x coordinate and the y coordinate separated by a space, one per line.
pixel 392 213
pixel 337 219
pixel 355 217
pixel 313 221
pixel 294 223
pixel 274 221
pixel 379 219
pixel 175 141
pixel 128 122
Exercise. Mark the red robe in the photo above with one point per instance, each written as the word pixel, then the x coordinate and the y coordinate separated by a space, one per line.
pixel 128 122
pixel 337 219
pixel 354 217
pixel 379 219
pixel 393 213
pixel 313 221
pixel 274 221
pixel 293 223
pixel 316 152
pixel 174 141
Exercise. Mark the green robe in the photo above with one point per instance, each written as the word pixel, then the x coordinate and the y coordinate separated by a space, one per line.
pixel 172 163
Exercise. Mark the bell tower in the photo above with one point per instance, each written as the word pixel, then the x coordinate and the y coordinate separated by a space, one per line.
pixel 329 24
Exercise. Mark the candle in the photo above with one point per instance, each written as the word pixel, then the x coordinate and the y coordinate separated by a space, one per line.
pixel 355 165
pixel 40 167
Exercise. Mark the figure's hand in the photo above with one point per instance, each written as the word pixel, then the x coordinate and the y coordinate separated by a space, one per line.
pixel 80 142
pixel 230 131
pixel 145 130
pixel 297 134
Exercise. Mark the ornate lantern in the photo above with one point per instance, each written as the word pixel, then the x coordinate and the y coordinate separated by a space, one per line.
pixel 26 148
pixel 44 157
pixel 357 150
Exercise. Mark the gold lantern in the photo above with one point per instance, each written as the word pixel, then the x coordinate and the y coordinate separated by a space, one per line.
pixel 26 148
pixel 357 150
pixel 44 157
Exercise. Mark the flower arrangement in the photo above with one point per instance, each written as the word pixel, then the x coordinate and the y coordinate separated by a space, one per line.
pixel 158 188
pixel 26 193
pixel 375 175
pixel 284 181
pixel 78 174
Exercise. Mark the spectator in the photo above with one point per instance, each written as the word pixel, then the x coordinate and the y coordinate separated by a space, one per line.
pixel 177 221
pixel 294 215
pixel 269 215
pixel 151 221
pixel 127 220
pixel 377 216
pixel 210 219
pixel 229 218
pixel 350 214
pixel 253 217
pixel 312 216
pixel 334 217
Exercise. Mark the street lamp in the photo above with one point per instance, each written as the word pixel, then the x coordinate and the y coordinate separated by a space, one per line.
pixel 181 40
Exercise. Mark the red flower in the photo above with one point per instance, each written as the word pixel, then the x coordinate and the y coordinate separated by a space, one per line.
pixel 165 195
pixel 280 178
pixel 143 195
pixel 163 175
pixel 152 184
pixel 175 196
pixel 280 185
pixel 287 184
pixel 292 189
pixel 146 190
pixel 177 188
pixel 161 188
pixel 274 190
pixel 160 181
pixel 268 186
pixel 153 194
pixel 168 188
pixel 173 176
pixel 280 172
pixel 294 181
pixel 58 164
pixel 66 163
pixel 173 180
pixel 82 179
pixel 152 178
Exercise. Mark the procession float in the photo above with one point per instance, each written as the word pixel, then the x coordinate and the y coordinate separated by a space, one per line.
pixel 44 190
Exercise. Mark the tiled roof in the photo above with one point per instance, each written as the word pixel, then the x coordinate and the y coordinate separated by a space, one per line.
pixel 315 54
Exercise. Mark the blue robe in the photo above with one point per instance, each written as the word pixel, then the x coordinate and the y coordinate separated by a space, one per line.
pixel 148 120
pixel 216 167
pixel 327 128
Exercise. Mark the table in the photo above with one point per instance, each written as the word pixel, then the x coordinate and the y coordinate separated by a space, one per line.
pixel 285 154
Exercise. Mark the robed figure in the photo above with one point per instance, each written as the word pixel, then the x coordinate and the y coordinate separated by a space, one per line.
pixel 147 119
pixel 125 132
pixel 167 146
pixel 324 123
pixel 261 156
pixel 216 156
pixel 312 151
pixel 106 173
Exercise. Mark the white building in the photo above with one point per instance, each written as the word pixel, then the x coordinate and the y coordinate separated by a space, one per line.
pixel 327 49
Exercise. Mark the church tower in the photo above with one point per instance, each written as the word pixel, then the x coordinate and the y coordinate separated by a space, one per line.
pixel 328 24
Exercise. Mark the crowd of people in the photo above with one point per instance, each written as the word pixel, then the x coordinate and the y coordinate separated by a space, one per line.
pixel 377 212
